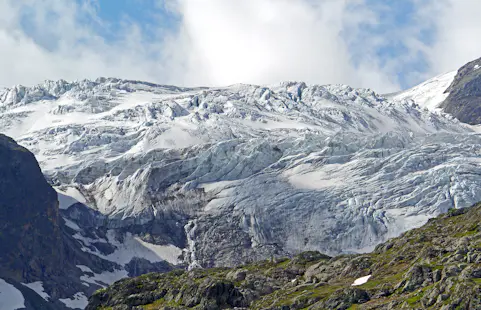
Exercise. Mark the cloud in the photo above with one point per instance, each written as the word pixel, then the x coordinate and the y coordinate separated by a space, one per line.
pixel 54 39
pixel 266 41
pixel 221 42
pixel 458 30
pixel 217 42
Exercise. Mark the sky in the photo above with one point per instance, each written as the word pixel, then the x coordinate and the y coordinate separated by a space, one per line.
pixel 385 45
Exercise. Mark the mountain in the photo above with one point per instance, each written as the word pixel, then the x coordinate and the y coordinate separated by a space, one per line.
pixel 39 260
pixel 433 267
pixel 457 93
pixel 430 94
pixel 464 100
pixel 152 178
pixel 31 244
pixel 42 263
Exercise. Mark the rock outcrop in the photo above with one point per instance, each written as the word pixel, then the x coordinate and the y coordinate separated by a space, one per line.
pixel 37 254
pixel 31 242
pixel 464 100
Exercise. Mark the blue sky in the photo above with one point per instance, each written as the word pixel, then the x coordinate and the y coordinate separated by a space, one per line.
pixel 386 45
pixel 149 14
pixel 394 17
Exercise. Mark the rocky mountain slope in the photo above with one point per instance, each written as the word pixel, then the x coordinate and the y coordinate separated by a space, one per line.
pixel 152 177
pixel 434 267
pixel 42 266
pixel 36 259
pixel 464 100
pixel 457 93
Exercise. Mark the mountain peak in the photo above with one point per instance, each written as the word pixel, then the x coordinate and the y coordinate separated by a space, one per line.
pixel 464 99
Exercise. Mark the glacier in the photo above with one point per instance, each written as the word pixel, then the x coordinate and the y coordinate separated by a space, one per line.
pixel 223 176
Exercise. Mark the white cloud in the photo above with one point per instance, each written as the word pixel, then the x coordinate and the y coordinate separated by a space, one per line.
pixel 54 39
pixel 457 41
pixel 265 41
pixel 221 42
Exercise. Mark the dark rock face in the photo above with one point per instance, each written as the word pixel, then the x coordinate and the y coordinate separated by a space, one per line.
pixel 200 292
pixel 31 241
pixel 464 100
pixel 34 242
pixel 139 266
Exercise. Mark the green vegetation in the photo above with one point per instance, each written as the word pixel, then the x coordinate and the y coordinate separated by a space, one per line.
pixel 430 267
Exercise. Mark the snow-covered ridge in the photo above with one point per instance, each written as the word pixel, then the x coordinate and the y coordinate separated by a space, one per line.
pixel 80 90
pixel 245 171
pixel 135 117
pixel 429 94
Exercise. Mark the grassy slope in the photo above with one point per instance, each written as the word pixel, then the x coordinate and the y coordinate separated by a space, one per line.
pixel 437 266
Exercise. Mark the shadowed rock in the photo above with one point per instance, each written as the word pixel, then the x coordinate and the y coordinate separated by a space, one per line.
pixel 464 100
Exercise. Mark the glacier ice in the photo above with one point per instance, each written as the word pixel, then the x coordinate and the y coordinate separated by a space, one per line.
pixel 246 172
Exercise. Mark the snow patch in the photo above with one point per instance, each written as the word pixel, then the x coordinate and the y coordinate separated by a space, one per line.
pixel 38 288
pixel 132 247
pixel 277 122
pixel 77 301
pixel 361 280
pixel 85 241
pixel 216 203
pixel 105 278
pixel 71 224
pixel 135 247
pixel 305 176
pixel 10 297
pixel 69 197
pixel 429 94
pixel 65 201
pixel 173 137
pixel 216 186
pixel 404 219
pixel 84 268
